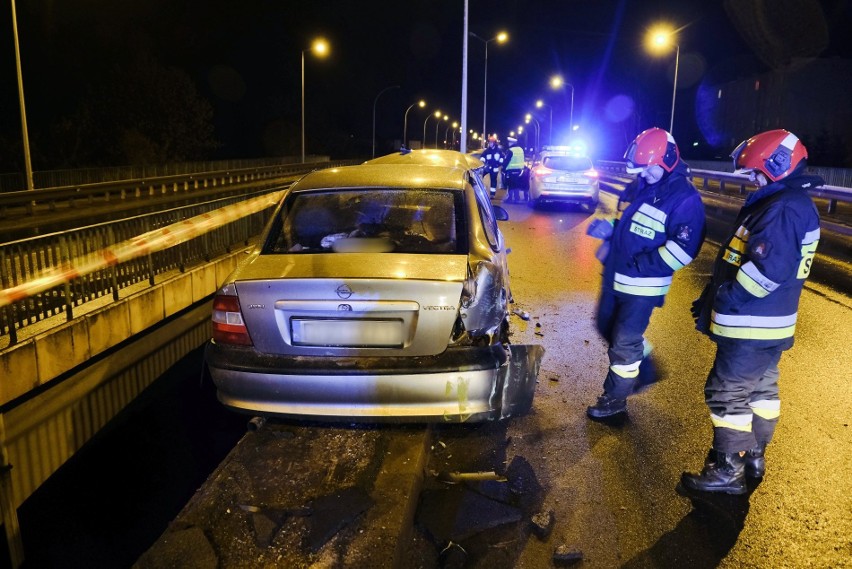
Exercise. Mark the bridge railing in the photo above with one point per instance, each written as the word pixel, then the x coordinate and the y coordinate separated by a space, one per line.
pixel 81 194
pixel 27 261
pixel 832 194
pixel 16 181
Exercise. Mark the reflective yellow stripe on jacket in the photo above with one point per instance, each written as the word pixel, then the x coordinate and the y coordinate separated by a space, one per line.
pixel 642 286
pixel 755 282
pixel 674 255
pixel 753 327
pixel 735 422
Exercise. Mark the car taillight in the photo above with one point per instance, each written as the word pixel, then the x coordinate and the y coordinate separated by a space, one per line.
pixel 228 325
pixel 542 171
pixel 591 173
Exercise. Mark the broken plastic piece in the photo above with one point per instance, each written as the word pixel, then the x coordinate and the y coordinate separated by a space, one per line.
pixel 565 555
pixel 456 477
pixel 521 313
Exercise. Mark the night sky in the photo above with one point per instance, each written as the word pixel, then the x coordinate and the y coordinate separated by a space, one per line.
pixel 244 58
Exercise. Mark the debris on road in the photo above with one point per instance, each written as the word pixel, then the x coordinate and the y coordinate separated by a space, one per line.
pixel 565 555
pixel 456 477
pixel 522 314
pixel 542 524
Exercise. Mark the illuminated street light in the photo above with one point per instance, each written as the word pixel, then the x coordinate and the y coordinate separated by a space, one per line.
pixel 446 118
pixel 421 103
pixel 376 100
pixel 539 104
pixel 501 37
pixel 659 40
pixel 321 48
pixel 556 82
pixel 529 118
pixel 436 114
pixel 447 131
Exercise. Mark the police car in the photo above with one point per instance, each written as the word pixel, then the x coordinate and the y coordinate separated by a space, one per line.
pixel 565 174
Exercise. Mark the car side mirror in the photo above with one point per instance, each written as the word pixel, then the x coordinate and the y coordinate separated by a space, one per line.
pixel 500 214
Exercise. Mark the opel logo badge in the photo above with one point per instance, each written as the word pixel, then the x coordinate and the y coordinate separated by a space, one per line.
pixel 343 291
pixel 345 307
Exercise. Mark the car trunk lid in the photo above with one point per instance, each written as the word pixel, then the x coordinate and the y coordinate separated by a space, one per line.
pixel 351 304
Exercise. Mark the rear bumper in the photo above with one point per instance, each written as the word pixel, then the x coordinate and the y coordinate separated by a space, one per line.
pixel 573 194
pixel 462 384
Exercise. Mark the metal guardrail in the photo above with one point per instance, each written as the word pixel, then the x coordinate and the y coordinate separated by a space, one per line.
pixel 139 188
pixel 833 194
pixel 16 181
pixel 833 176
pixel 22 261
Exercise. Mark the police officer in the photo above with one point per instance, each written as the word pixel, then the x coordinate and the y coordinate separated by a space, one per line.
pixel 493 159
pixel 514 170
pixel 660 231
pixel 749 308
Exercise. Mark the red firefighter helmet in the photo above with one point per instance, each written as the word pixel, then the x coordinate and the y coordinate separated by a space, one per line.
pixel 652 146
pixel 776 153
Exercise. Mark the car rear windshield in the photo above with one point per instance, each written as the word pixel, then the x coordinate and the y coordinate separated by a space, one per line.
pixel 375 220
pixel 570 163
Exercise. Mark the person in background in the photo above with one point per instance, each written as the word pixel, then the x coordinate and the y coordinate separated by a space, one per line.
pixel 514 171
pixel 493 159
pixel 750 305
pixel 660 231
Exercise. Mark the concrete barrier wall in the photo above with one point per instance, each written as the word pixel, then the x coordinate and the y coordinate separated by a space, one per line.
pixel 87 370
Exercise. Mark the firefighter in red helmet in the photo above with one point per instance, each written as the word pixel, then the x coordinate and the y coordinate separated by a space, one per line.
pixel 750 305
pixel 660 231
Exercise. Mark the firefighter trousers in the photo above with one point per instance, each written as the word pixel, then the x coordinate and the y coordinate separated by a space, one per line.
pixel 622 321
pixel 742 394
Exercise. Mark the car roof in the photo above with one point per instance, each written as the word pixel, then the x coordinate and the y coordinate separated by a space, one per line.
pixel 386 175
pixel 430 156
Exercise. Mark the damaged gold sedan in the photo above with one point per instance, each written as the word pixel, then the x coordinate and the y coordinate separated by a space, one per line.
pixel 377 292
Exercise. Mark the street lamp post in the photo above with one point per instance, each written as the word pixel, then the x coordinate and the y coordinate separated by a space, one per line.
pixel 437 124
pixel 557 82
pixel 420 104
pixel 539 104
pixel 437 114
pixel 320 47
pixel 537 139
pixel 455 127
pixel 502 37
pixel 376 100
pixel 662 38
pixel 27 160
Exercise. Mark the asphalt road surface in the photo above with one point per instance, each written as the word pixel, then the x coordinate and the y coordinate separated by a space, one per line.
pixel 611 488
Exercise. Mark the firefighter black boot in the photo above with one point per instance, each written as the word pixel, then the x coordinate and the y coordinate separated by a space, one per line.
pixel 755 463
pixel 721 473
pixel 606 406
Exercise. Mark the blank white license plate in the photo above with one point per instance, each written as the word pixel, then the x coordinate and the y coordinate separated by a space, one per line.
pixel 347 333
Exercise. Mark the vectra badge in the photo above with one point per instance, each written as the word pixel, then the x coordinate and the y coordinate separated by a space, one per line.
pixel 343 291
